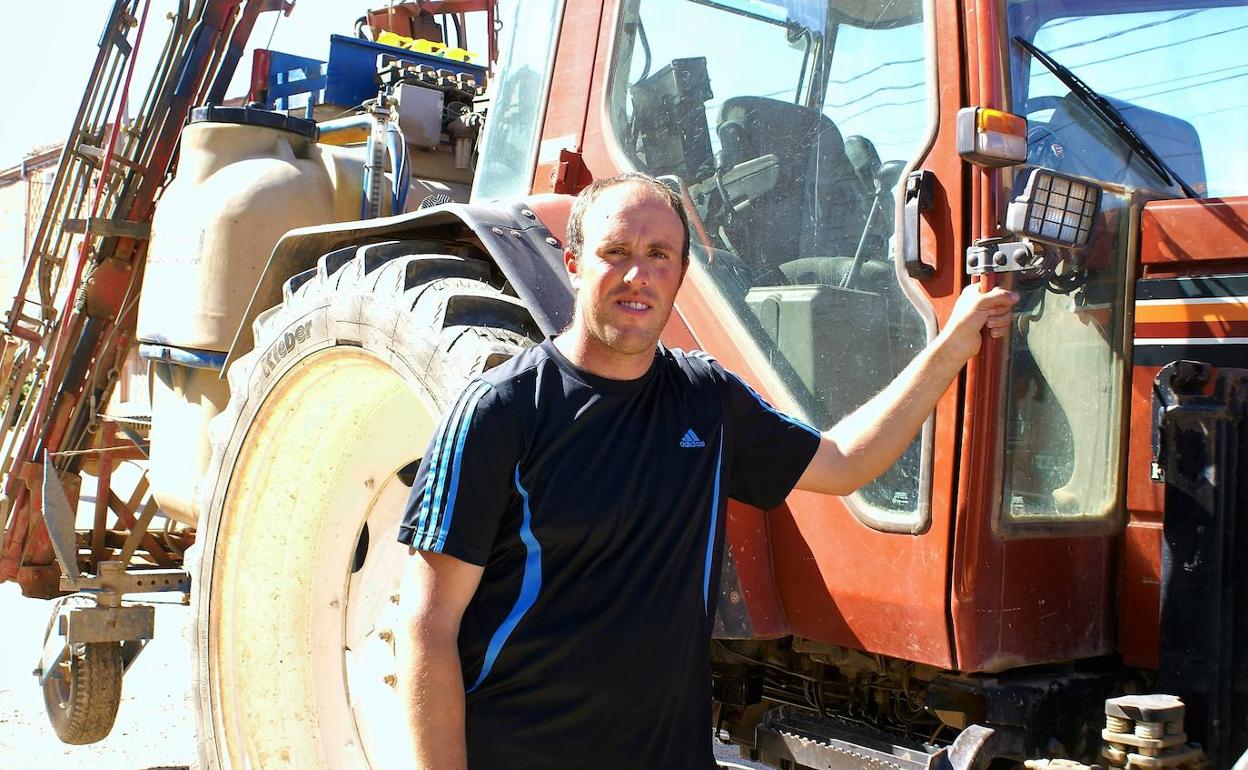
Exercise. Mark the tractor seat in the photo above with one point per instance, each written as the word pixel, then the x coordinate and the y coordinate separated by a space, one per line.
pixel 819 204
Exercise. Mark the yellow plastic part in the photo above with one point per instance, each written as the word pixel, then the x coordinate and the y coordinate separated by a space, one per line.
pixel 420 45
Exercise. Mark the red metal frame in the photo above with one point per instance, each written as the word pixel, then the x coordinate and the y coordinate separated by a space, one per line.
pixel 92 338
pixel 1177 238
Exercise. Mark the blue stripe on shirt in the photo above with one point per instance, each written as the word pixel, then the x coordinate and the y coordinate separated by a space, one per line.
pixel 530 586
pixel 777 412
pixel 431 473
pixel 710 538
pixel 435 487
pixel 448 511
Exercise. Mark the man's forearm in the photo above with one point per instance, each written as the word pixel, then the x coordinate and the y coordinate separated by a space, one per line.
pixel 432 687
pixel 872 437
pixel 864 444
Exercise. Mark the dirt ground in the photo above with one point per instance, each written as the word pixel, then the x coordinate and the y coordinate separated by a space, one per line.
pixel 154 728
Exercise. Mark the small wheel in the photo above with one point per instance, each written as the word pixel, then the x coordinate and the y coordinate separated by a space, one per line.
pixel 83 694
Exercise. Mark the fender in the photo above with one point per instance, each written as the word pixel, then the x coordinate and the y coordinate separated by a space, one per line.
pixel 524 238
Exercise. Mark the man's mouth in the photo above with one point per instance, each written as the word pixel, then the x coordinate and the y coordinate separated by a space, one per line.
pixel 633 305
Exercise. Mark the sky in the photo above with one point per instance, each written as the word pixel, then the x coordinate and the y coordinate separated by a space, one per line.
pixel 43 71
pixel 44 68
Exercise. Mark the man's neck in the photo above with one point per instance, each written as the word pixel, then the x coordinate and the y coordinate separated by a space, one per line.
pixel 596 358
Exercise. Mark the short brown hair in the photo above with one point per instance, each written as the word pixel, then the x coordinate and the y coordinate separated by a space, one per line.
pixel 586 198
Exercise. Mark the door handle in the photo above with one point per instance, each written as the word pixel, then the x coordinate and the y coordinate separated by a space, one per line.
pixel 920 188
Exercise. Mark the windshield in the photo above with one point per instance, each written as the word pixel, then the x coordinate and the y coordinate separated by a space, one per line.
pixel 789 125
pixel 1178 73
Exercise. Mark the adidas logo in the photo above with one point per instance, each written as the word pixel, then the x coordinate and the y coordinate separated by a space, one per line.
pixel 691 441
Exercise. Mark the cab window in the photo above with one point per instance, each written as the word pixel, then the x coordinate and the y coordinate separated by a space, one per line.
pixel 789 125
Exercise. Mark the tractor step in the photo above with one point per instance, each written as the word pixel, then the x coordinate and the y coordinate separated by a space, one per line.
pixel 831 744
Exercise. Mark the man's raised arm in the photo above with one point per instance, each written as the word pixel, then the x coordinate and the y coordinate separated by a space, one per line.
pixel 869 440
pixel 436 589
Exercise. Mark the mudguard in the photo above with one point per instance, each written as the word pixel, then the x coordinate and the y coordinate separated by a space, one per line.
pixel 527 251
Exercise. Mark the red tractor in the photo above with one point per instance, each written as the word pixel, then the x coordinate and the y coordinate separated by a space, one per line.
pixel 1063 532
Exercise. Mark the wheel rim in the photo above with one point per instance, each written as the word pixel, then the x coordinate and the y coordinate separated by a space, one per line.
pixel 298 662
pixel 58 685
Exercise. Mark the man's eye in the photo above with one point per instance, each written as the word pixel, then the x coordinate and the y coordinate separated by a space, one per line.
pixel 660 255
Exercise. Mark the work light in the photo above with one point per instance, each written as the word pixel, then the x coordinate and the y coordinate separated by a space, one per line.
pixel 1054 208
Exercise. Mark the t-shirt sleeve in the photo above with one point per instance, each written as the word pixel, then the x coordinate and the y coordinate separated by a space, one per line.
pixel 770 449
pixel 464 483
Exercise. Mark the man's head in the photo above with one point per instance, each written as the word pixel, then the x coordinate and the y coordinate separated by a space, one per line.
pixel 627 250
pixel 587 197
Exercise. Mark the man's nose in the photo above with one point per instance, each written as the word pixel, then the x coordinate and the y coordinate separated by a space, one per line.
pixel 637 274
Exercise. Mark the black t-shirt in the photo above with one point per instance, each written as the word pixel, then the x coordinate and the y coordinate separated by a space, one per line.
pixel 596 507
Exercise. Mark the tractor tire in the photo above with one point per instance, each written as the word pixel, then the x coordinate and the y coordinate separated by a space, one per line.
pixel 82 697
pixel 298 568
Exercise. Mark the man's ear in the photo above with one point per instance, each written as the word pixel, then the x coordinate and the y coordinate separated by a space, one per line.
pixel 569 264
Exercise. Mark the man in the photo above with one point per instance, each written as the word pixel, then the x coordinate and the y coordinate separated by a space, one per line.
pixel 568 516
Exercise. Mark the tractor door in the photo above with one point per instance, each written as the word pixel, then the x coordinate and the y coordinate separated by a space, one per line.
pixel 791 128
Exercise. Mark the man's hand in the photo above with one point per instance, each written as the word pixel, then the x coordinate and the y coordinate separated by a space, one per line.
pixel 975 311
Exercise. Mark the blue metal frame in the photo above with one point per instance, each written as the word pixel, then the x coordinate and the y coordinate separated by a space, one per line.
pixel 290 76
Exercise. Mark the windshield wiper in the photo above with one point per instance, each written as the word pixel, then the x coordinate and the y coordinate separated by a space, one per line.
pixel 1109 114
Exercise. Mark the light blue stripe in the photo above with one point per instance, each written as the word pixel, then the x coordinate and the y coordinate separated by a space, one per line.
pixel 449 510
pixel 710 538
pixel 463 416
pixel 787 418
pixel 530 586
pixel 434 478
pixel 431 471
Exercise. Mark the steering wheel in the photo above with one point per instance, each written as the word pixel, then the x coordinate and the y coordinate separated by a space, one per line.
pixel 1041 103
pixel 1043 147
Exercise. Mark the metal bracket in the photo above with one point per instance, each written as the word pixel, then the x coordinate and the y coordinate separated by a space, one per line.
pixel 87 625
pixel 58 517
pixel 109 228
pixel 132 626
pixel 115 580
pixel 994 255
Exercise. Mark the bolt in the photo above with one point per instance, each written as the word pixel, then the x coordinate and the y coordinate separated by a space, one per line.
pixel 1000 259
pixel 528 214
pixel 390 679
pixel 385 635
pixel 1150 729
pixel 552 240
pixel 973 261
pixel 516 233
pixel 496 230
pixel 1118 725
pixel 394 598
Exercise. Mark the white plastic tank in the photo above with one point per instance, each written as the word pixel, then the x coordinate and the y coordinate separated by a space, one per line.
pixel 245 177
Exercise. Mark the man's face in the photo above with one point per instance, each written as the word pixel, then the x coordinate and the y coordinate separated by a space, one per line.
pixel 629 270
